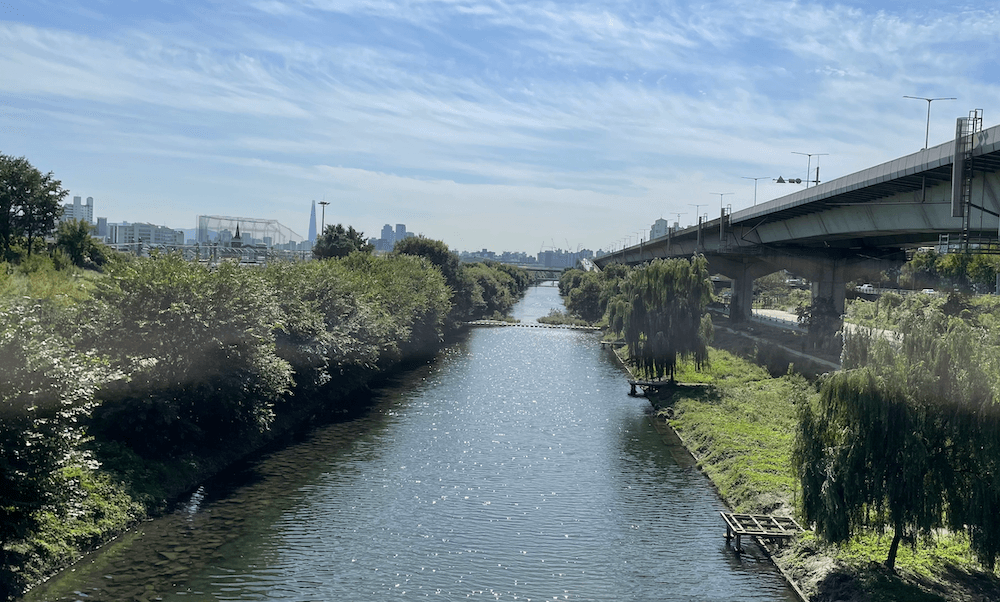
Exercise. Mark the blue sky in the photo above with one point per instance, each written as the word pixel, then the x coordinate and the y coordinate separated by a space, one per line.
pixel 503 124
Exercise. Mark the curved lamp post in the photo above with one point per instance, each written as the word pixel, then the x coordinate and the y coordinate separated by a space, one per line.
pixel 927 130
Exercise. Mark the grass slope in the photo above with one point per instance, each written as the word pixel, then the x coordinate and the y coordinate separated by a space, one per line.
pixel 740 425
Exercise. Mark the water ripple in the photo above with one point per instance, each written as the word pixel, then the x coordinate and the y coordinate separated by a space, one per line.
pixel 514 468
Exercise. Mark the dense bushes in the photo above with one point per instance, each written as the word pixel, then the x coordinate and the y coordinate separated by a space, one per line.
pixel 160 362
pixel 478 289
pixel 197 351
pixel 588 293
pixel 45 388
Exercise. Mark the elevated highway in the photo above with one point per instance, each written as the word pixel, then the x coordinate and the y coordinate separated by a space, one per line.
pixel 858 224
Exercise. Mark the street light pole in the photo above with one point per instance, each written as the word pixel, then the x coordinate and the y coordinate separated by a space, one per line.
pixel 927 130
pixel 697 211
pixel 722 216
pixel 755 186
pixel 809 164
pixel 721 206
pixel 323 219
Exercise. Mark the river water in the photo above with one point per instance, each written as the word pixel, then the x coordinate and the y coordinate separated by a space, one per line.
pixel 513 467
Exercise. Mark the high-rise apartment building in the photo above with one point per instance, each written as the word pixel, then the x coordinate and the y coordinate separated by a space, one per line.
pixel 659 228
pixel 79 211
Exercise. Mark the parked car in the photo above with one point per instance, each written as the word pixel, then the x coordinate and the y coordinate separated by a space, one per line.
pixel 928 291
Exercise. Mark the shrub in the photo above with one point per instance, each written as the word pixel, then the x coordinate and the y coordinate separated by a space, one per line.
pixel 199 350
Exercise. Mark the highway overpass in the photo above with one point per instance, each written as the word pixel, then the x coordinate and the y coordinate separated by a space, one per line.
pixel 858 224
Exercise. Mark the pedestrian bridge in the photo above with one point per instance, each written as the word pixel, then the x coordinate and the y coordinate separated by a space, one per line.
pixel 860 224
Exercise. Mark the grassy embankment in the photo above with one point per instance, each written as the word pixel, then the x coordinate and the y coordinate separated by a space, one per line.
pixel 739 423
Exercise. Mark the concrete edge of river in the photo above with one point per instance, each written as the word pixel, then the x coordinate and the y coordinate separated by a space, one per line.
pixel 713 439
pixel 670 436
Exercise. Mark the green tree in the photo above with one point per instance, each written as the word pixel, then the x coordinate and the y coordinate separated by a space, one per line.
pixel 74 238
pixel 498 289
pixel 983 270
pixel 585 298
pixel 906 437
pixel 921 270
pixel 659 313
pixel 29 201
pixel 869 457
pixel 198 345
pixel 337 241
pixel 822 321
pixel 954 268
pixel 45 386
pixel 467 295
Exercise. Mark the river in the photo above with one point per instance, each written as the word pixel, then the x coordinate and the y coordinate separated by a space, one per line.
pixel 513 467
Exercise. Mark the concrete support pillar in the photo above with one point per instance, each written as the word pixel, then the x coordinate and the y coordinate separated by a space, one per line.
pixel 743 271
pixel 830 283
pixel 741 303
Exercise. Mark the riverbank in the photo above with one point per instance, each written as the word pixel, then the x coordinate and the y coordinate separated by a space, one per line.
pixel 470 476
pixel 163 373
pixel 738 422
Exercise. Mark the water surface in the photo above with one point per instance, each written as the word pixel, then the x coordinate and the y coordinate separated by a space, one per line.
pixel 514 467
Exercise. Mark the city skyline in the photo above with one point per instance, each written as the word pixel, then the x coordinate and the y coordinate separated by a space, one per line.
pixel 496 125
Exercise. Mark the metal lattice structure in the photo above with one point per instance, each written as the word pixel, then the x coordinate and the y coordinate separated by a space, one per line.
pixel 269 233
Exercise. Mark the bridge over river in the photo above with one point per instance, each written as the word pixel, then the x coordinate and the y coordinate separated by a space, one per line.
pixel 859 224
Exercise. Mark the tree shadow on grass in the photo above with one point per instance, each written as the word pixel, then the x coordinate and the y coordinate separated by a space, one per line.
pixel 958 583
pixel 875 582
pixel 667 395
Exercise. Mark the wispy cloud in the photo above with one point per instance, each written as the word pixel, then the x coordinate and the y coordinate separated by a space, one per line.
pixel 446 109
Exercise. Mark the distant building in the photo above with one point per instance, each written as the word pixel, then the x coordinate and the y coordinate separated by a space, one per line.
pixel 558 259
pixel 79 211
pixel 391 236
pixel 149 234
pixel 659 228
pixel 253 232
pixel 312 223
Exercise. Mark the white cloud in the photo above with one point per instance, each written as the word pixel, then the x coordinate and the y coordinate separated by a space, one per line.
pixel 615 110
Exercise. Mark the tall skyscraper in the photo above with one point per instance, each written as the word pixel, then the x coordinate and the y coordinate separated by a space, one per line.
pixel 388 236
pixel 400 231
pixel 312 223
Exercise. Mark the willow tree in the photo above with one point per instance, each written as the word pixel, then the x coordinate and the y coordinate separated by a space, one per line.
pixel 907 438
pixel 870 458
pixel 659 314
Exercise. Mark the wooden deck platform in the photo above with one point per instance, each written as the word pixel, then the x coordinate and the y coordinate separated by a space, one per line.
pixel 763 526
